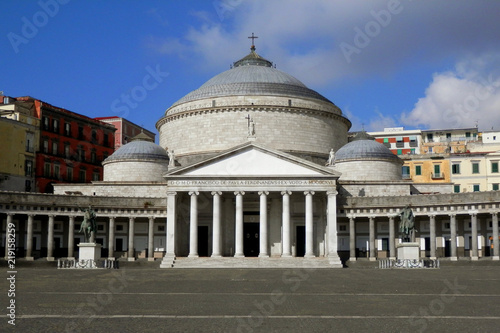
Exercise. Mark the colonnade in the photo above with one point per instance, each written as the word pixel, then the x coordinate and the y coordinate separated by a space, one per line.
pixel 286 241
pixel 393 239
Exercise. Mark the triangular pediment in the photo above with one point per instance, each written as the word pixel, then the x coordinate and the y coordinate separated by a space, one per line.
pixel 254 160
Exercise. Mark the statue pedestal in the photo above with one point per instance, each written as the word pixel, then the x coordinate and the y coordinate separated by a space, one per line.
pixel 89 251
pixel 408 251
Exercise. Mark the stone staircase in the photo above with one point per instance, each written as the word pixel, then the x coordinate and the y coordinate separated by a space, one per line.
pixel 250 262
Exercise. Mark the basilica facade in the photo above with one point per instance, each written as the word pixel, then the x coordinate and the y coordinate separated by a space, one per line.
pixel 254 169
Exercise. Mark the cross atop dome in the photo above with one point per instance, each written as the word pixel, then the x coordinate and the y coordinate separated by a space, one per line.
pixel 252 38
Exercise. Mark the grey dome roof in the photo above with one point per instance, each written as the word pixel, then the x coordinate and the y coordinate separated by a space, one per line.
pixel 134 150
pixel 252 75
pixel 363 147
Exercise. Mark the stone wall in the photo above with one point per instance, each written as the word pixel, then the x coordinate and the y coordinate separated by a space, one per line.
pixel 369 170
pixel 135 170
pixel 290 129
pixel 105 189
pixel 54 201
pixel 374 189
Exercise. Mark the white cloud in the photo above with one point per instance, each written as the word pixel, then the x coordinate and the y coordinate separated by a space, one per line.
pixel 461 98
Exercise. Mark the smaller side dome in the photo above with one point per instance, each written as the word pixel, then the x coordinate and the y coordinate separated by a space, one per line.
pixel 137 161
pixel 364 147
pixel 365 159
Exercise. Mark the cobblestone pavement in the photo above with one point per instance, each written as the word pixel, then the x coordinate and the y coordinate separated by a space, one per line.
pixel 140 297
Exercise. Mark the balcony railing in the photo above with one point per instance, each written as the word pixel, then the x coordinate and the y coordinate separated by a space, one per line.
pixel 438 175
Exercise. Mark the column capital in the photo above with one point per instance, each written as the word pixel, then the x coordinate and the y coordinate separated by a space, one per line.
pixel 332 192
pixel 263 193
pixel 216 193
pixel 351 217
pixel 171 193
pixel 473 213
pixel 286 192
pixel 151 218
pixel 391 216
pixel 452 215
pixel 308 192
pixel 194 193
pixel 112 218
pixel 239 193
pixel 33 215
pixel 131 218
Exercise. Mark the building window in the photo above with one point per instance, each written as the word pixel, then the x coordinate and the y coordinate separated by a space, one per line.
pixel 400 151
pixel 67 129
pixel 399 142
pixel 475 167
pixel 430 137
pixel 81 154
pixel 406 172
pixel 495 187
pixel 456 188
pixel 430 150
pixel 69 174
pixel 55 125
pixel 93 158
pixel 30 140
pixel 82 176
pixel 46 123
pixel 28 168
pixel 57 171
pixel 455 169
pixel 476 187
pixel 95 176
pixel 46 146
pixel 106 140
pixel 467 135
pixel 27 185
pixel 46 170
pixel 418 170
pixel 437 171
pixel 80 133
pixel 67 151
pixel 494 167
pixel 104 155
pixel 94 136
pixel 55 148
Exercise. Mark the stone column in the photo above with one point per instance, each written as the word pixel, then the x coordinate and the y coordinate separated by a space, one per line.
pixel 331 227
pixel 171 225
pixel 9 221
pixel 474 253
pixel 193 225
pixel 432 220
pixel 352 239
pixel 71 238
pixel 453 237
pixel 287 249
pixel 29 238
pixel 494 222
pixel 372 238
pixel 392 238
pixel 239 224
pixel 309 225
pixel 216 226
pixel 131 225
pixel 111 239
pixel 151 244
pixel 50 239
pixel 263 225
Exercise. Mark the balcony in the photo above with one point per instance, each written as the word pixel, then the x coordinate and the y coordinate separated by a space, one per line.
pixel 406 176
pixel 438 175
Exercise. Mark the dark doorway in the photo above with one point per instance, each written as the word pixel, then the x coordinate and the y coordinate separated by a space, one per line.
pixel 427 246
pixel 300 244
pixel 447 247
pixel 251 239
pixel 119 244
pixel 203 241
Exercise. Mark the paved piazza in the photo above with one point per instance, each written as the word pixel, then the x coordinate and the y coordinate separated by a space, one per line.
pixel 140 297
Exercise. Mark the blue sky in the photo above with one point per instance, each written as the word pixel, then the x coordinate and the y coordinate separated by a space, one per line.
pixel 417 64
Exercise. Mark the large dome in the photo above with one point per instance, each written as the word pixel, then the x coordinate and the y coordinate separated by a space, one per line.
pixel 252 79
pixel 285 115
